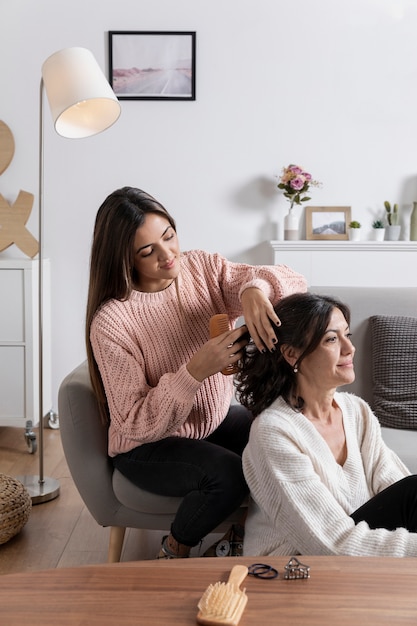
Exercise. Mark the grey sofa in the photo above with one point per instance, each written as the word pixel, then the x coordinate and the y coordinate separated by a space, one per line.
pixel 364 303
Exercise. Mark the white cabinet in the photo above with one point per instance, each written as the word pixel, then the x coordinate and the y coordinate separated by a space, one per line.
pixel 350 263
pixel 19 356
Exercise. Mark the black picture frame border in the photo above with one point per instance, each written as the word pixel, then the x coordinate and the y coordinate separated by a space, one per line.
pixel 189 33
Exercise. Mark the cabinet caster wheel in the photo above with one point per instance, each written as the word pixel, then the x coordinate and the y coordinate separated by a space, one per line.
pixel 52 420
pixel 30 438
pixel 31 444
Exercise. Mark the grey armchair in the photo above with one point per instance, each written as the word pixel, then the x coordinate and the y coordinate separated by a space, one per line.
pixel 110 498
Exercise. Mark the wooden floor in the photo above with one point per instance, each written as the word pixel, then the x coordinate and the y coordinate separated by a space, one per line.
pixel 59 533
pixel 62 533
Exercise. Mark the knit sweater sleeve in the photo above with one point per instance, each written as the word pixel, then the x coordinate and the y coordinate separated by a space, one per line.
pixel 140 412
pixel 381 465
pixel 276 281
pixel 299 495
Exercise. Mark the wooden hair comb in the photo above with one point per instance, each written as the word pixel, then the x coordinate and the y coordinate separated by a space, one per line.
pixel 220 324
pixel 224 603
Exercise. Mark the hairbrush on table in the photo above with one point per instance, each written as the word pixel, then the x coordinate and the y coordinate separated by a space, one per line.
pixel 224 603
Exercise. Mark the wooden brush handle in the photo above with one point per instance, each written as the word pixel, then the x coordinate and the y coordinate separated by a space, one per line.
pixel 238 575
pixel 218 325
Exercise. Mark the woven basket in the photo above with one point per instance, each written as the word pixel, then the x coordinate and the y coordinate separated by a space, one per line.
pixel 15 506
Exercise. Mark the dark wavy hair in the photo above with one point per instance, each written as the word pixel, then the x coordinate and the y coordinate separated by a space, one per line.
pixel 112 271
pixel 263 377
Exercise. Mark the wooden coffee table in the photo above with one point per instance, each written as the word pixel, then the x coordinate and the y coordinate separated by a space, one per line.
pixel 341 590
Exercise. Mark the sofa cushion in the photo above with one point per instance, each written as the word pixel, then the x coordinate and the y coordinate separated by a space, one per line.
pixel 394 370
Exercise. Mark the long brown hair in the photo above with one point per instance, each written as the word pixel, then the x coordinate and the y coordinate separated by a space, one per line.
pixel 112 272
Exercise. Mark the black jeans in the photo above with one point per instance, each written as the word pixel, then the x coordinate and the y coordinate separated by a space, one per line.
pixel 394 507
pixel 206 473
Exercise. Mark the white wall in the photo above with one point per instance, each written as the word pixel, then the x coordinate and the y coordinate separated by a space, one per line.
pixel 328 84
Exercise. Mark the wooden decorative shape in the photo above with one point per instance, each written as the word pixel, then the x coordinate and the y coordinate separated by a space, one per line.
pixel 13 217
pixel 6 146
pixel 12 224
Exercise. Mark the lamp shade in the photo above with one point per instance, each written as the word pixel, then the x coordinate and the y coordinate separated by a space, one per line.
pixel 81 100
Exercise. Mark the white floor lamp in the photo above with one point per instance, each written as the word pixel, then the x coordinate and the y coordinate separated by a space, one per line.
pixel 82 104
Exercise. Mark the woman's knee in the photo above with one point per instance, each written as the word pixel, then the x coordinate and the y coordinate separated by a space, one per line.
pixel 221 471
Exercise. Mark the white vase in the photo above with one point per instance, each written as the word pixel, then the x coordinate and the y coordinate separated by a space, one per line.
pixel 405 221
pixel 291 232
pixel 354 234
pixel 413 223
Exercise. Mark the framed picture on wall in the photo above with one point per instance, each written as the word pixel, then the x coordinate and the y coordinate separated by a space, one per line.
pixel 327 222
pixel 152 65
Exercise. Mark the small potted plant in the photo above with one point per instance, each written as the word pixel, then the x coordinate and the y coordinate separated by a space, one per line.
pixel 354 230
pixel 378 229
pixel 394 228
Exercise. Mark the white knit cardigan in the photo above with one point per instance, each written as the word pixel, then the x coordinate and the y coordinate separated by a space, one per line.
pixel 302 498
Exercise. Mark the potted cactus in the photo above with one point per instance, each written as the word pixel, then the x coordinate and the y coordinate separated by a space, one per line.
pixel 354 230
pixel 393 228
pixel 378 230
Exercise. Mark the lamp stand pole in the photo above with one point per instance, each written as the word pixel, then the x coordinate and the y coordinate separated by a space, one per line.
pixel 41 488
pixel 82 104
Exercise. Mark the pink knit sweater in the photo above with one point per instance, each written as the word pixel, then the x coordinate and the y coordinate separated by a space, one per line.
pixel 142 346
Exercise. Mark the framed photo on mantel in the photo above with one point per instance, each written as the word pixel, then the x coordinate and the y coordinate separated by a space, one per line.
pixel 327 222
pixel 152 65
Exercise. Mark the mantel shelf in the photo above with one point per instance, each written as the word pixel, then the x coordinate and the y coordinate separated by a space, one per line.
pixel 317 245
pixel 348 263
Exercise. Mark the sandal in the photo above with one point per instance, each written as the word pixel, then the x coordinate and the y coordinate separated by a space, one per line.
pixel 166 553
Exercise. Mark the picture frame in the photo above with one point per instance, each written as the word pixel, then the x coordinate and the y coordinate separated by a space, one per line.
pixel 327 222
pixel 152 65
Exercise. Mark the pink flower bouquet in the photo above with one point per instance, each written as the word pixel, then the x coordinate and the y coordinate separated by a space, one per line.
pixel 295 182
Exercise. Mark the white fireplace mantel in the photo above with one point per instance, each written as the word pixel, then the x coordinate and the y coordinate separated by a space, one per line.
pixel 350 263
